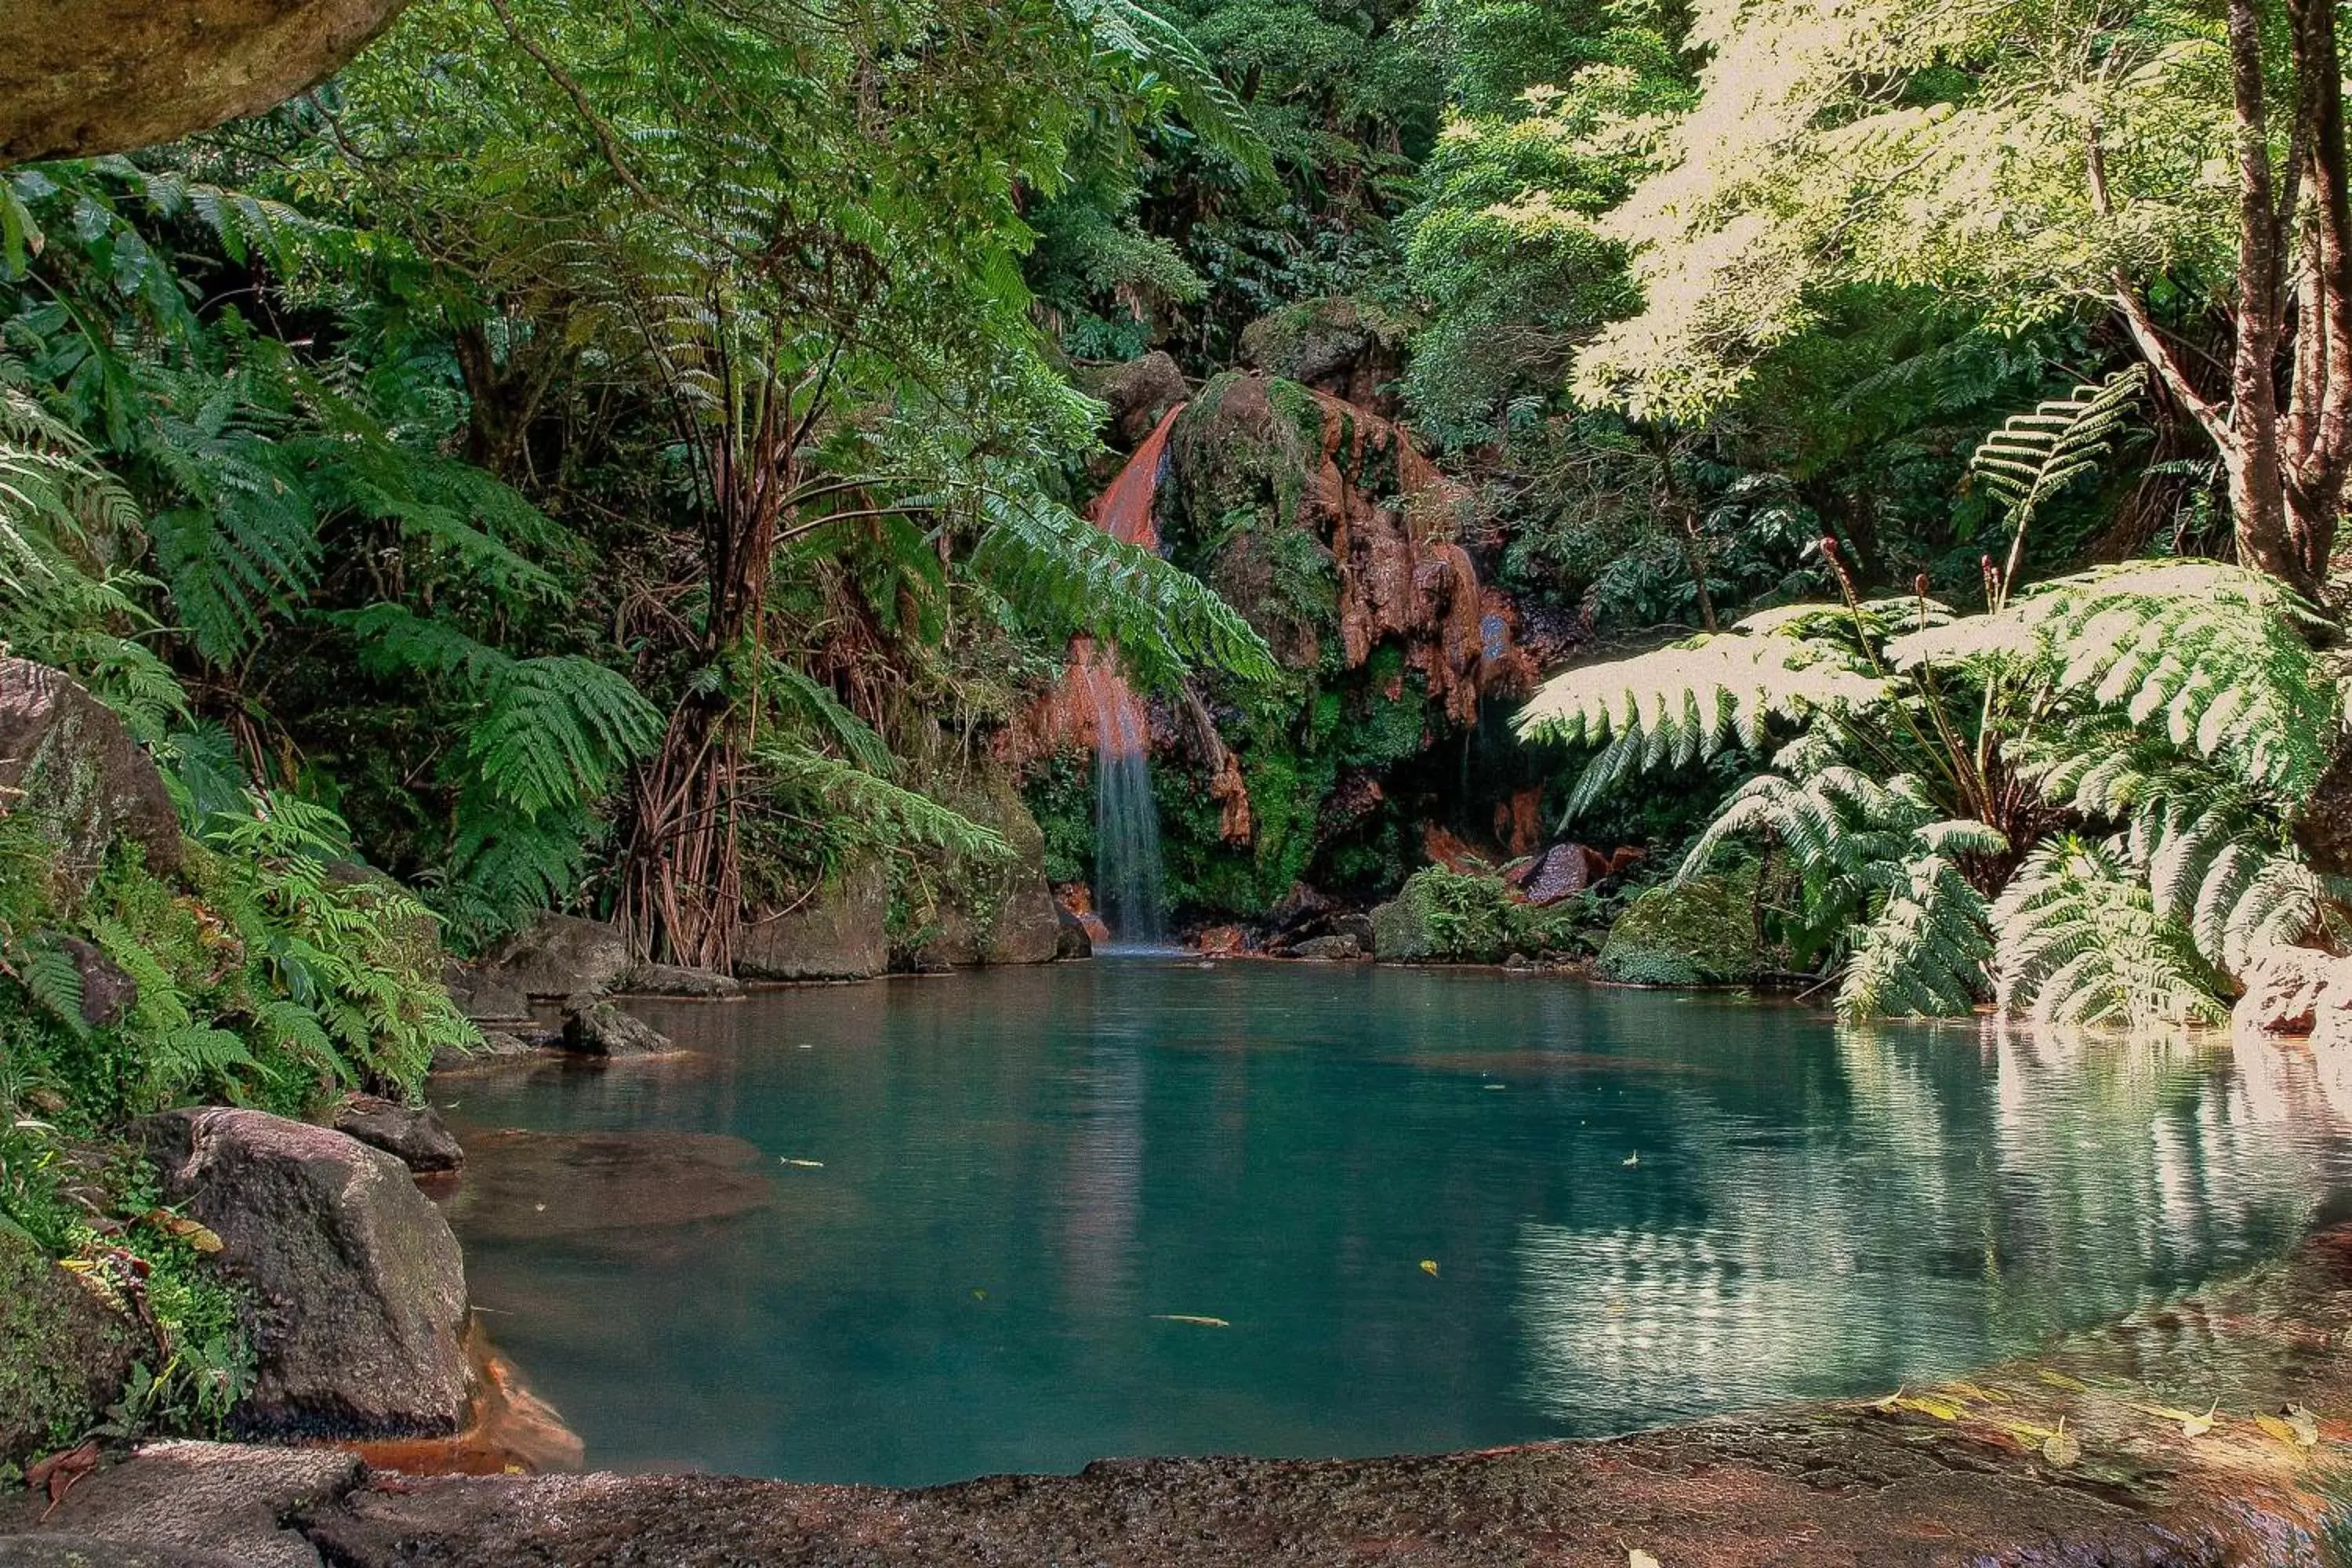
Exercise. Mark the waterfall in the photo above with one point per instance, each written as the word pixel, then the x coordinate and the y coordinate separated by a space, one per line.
pixel 1128 873
pixel 1127 819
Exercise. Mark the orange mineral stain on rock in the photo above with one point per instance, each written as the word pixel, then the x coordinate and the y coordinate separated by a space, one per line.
pixel 510 1431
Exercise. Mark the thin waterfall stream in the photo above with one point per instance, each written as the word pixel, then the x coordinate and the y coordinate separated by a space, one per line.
pixel 1128 869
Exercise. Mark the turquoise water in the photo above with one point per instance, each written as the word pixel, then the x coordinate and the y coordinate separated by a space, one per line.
pixel 953 1226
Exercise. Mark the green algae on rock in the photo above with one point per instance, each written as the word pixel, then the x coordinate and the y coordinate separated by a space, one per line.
pixel 1698 931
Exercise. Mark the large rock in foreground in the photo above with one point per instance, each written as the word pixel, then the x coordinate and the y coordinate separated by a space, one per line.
pixel 82 77
pixel 360 1309
pixel 840 934
pixel 67 761
pixel 63 1352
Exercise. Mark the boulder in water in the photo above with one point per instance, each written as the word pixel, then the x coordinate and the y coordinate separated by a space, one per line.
pixel 1696 933
pixel 598 1028
pixel 1330 949
pixel 840 933
pixel 556 956
pixel 678 980
pixel 412 1134
pixel 1071 938
pixel 359 1307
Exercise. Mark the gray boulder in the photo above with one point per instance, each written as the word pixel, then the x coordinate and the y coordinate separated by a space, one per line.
pixel 64 1353
pixel 839 933
pixel 1330 949
pixel 595 1029
pixel 66 762
pixel 558 956
pixel 484 992
pixel 412 1134
pixel 1071 939
pixel 358 1310
pixel 191 1505
pixel 676 980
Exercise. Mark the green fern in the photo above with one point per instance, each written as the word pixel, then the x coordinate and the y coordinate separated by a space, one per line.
pixel 2034 457
pixel 1070 575
pixel 53 979
pixel 892 814
pixel 1158 45
pixel 2079 941
pixel 1926 950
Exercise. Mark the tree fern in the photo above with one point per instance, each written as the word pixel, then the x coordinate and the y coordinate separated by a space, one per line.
pixel 2033 457
pixel 53 979
pixel 2078 940
pixel 1685 702
pixel 1062 571
pixel 891 815
pixel 1160 45
pixel 1925 949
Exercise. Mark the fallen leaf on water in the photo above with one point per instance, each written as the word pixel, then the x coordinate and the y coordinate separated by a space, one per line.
pixel 2061 1447
pixel 2191 1424
pixel 978 1294
pixel 2279 1429
pixel 805 1165
pixel 2060 1380
pixel 1193 1319
pixel 1429 1267
pixel 2302 1423
pixel 1634 1158
pixel 1638 1558
pixel 1930 1404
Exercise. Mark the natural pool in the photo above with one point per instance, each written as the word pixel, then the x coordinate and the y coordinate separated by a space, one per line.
pixel 976 1224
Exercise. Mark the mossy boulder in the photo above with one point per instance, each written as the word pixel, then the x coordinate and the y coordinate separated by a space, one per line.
pixel 67 762
pixel 840 931
pixel 1697 933
pixel 1334 345
pixel 64 1353
pixel 1452 917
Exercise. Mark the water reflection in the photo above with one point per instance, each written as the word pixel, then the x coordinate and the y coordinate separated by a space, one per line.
pixel 994 1201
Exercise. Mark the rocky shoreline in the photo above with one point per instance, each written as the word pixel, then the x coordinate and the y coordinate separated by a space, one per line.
pixel 2100 1452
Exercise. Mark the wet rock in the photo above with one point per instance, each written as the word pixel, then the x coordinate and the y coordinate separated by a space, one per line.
pixel 483 994
pixel 412 1134
pixel 1333 345
pixel 359 1294
pixel 1330 948
pixel 676 980
pixel 2282 990
pixel 1563 871
pixel 1071 938
pixel 839 933
pixel 557 956
pixel 520 1185
pixel 207 1504
pixel 598 1028
pixel 64 1353
pixel 1139 393
pixel 108 993
pixel 497 1046
pixel 1697 933
pixel 1003 912
pixel 84 76
pixel 66 762
pixel 1222 941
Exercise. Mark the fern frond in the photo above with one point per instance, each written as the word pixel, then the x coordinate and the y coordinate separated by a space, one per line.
pixel 887 810
pixel 1061 570
pixel 1160 45
pixel 2078 939
pixel 818 706
pixel 1688 702
pixel 2033 457
pixel 1926 951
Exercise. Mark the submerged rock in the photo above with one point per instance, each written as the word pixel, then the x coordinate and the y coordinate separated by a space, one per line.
pixel 412 1134
pixel 601 1029
pixel 841 932
pixel 359 1303
pixel 1697 933
pixel 520 1185
pixel 67 762
pixel 64 1353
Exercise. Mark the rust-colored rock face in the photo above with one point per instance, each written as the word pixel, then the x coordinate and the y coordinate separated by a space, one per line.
pixel 82 77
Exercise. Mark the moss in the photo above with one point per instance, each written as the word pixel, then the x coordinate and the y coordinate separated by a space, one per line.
pixel 1061 796
pixel 1448 917
pixel 1698 932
